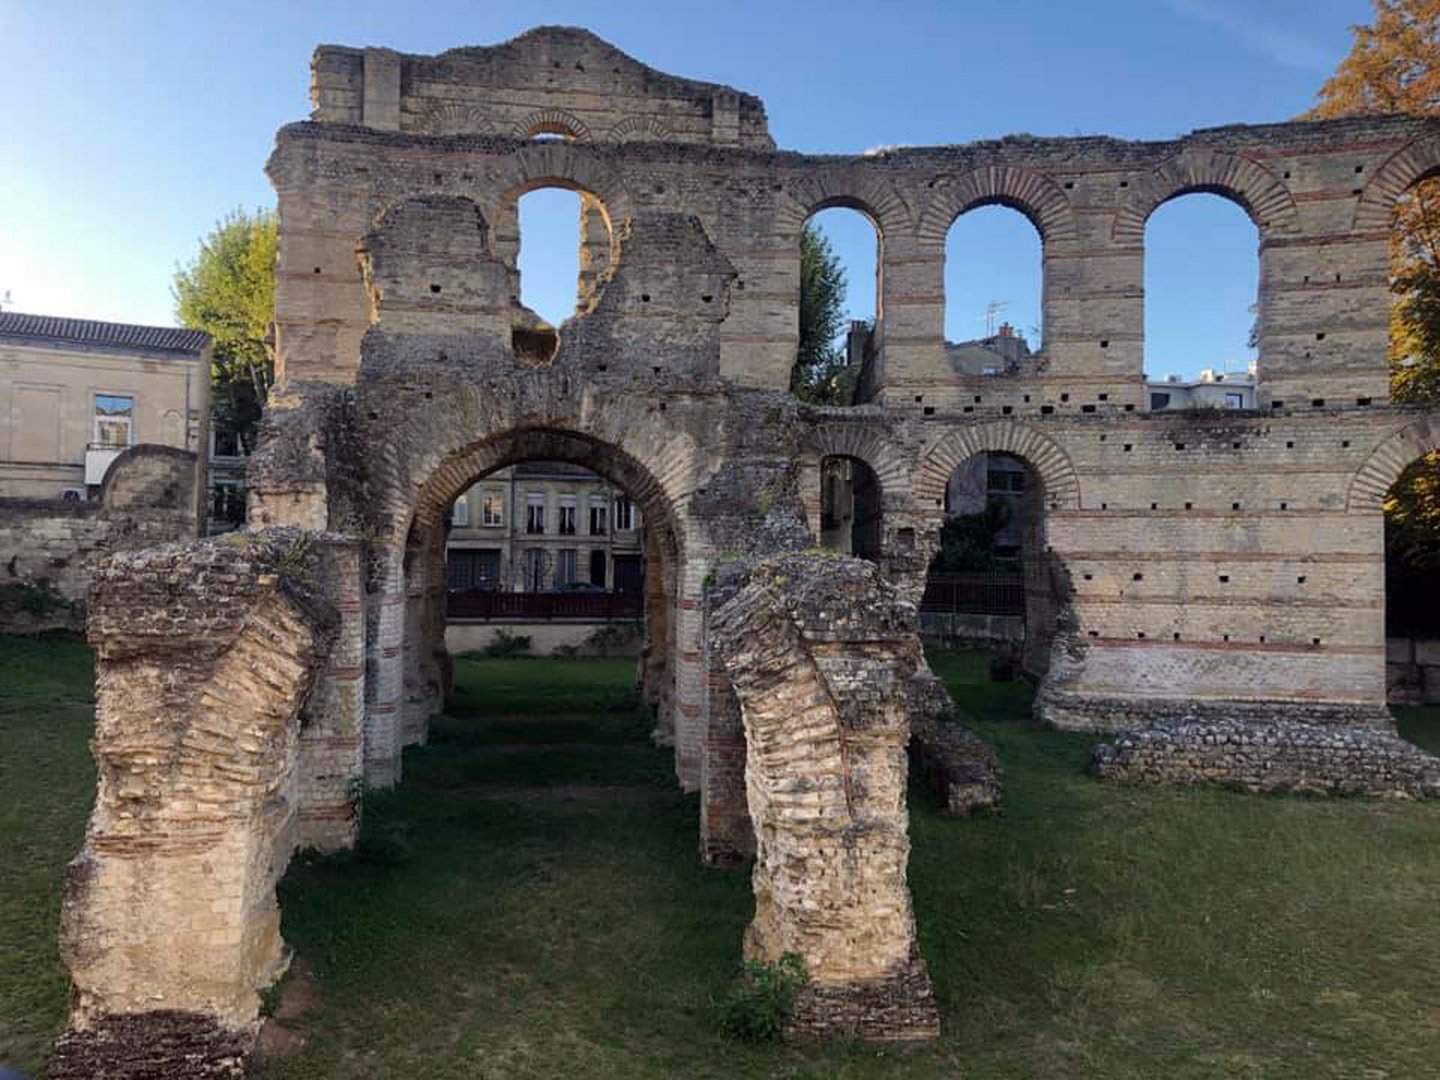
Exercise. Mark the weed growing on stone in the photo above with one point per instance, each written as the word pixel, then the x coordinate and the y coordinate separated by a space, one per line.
pixel 759 1006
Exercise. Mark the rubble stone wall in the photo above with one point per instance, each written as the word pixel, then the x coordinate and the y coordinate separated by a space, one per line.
pixel 48 546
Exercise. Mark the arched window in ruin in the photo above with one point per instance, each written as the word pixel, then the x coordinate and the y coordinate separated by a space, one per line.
pixel 560 246
pixel 990 581
pixel 1201 285
pixel 851 515
pixel 993 286
pixel 839 300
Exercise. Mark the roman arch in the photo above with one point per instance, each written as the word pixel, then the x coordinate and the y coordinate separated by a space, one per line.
pixel 1220 570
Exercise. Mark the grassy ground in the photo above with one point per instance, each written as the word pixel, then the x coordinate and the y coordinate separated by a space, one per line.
pixel 529 904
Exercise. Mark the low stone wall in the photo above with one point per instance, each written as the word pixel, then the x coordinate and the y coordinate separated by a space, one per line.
pixel 960 768
pixel 1412 671
pixel 546 638
pixel 1285 755
pixel 961 629
pixel 47 546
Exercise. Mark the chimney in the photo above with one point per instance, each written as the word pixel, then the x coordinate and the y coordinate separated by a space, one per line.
pixel 1006 330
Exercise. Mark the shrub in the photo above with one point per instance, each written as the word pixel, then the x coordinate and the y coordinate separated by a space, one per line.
pixel 507 644
pixel 759 1005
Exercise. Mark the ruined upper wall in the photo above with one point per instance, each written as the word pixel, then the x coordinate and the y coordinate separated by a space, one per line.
pixel 553 80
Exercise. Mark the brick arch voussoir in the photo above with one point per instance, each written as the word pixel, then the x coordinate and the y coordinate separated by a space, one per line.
pixel 657 478
pixel 1033 194
pixel 555 164
pixel 1413 162
pixel 1244 181
pixel 551 121
pixel 877 200
pixel 1373 480
pixel 876 447
pixel 1050 462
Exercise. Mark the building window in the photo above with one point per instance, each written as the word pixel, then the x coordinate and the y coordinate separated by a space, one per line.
pixel 534 569
pixel 564 566
pixel 1159 401
pixel 599 524
pixel 597 567
pixel 1234 401
pixel 467 569
pixel 567 515
pixel 460 512
pixel 535 514
pixel 114 420
pixel 624 514
pixel 492 509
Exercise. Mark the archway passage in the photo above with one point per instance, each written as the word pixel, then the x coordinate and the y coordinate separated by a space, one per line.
pixel 548 553
pixel 990 583
pixel 852 516
pixel 1412 581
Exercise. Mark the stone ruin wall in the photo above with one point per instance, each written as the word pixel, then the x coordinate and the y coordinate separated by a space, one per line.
pixel 152 495
pixel 1198 569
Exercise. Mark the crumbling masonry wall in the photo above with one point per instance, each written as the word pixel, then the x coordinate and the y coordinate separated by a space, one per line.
pixel 151 496
pixel 1198 570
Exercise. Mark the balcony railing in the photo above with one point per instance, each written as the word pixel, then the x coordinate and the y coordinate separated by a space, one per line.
pixel 975 594
pixel 577 606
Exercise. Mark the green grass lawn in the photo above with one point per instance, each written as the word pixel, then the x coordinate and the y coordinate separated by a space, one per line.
pixel 529 903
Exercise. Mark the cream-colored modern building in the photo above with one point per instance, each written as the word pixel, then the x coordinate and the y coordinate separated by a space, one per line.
pixel 76 393
pixel 541 525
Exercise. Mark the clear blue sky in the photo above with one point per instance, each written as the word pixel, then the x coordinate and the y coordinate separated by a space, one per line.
pixel 130 128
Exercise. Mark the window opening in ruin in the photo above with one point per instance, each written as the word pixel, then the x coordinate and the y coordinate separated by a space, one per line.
pixel 839 301
pixel 528 554
pixel 993 284
pixel 1202 274
pixel 989 582
pixel 114 421
pixel 851 515
pixel 562 246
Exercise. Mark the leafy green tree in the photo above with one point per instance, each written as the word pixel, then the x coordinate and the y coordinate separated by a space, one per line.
pixel 1394 67
pixel 967 541
pixel 819 363
pixel 228 290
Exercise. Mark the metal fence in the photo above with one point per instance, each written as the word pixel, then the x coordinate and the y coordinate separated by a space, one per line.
pixel 577 606
pixel 976 594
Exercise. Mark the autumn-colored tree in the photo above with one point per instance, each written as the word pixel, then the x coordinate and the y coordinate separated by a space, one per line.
pixel 1394 67
pixel 228 291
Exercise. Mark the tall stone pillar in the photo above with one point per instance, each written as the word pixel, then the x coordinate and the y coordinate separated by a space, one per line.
pixel 820 652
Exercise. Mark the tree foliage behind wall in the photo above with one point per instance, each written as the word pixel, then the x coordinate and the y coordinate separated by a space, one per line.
pixel 819 362
pixel 1394 67
pixel 228 290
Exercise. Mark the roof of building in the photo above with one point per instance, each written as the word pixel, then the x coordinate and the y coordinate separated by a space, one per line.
pixel 93 332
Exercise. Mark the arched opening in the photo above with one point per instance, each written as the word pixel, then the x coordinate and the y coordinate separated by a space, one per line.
pixel 839 306
pixel 543 542
pixel 852 516
pixel 990 583
pixel 559 246
pixel 1201 304
pixel 994 279
pixel 1412 582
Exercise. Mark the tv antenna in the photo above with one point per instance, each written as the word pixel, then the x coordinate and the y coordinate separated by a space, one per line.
pixel 992 310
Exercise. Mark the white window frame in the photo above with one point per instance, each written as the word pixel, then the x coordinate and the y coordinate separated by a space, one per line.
pixel 568 512
pixel 129 421
pixel 534 501
pixel 460 512
pixel 602 504
pixel 625 522
pixel 492 509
